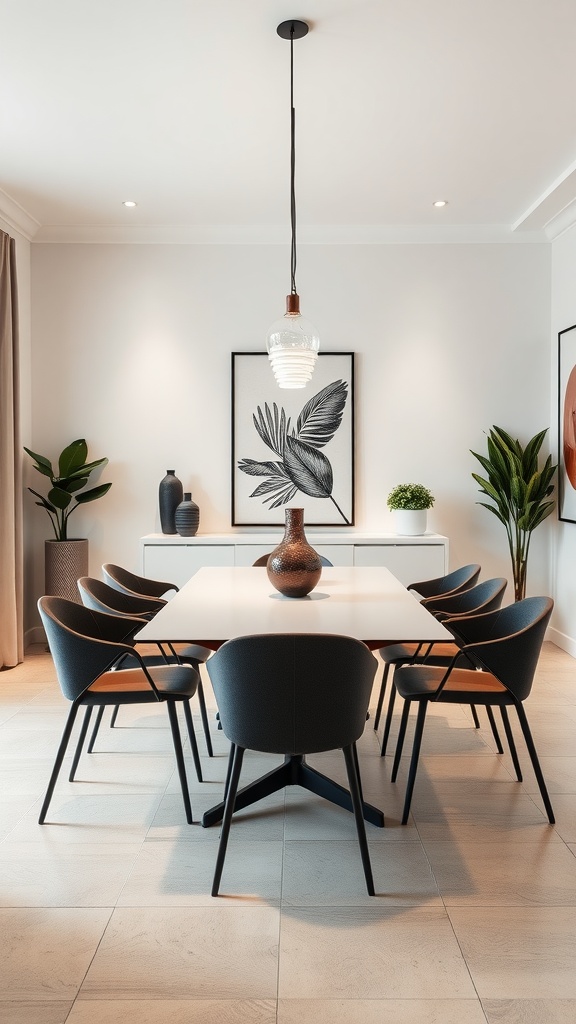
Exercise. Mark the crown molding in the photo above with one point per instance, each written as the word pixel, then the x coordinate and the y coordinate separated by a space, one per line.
pixel 565 220
pixel 555 210
pixel 278 234
pixel 17 218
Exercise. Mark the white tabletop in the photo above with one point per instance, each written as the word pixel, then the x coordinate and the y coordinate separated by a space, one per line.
pixel 220 603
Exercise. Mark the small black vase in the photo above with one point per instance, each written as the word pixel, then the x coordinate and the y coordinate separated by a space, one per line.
pixel 170 494
pixel 187 516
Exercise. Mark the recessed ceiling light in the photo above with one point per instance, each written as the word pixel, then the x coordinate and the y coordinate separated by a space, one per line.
pixel 440 202
pixel 129 202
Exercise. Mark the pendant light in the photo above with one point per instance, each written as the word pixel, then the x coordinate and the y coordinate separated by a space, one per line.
pixel 292 341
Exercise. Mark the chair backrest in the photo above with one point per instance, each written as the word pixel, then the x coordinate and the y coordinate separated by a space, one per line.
pixel 103 598
pixel 263 560
pixel 292 693
pixel 484 597
pixel 83 643
pixel 460 579
pixel 121 579
pixel 507 642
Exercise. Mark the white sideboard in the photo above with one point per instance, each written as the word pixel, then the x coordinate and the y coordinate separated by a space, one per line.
pixel 174 558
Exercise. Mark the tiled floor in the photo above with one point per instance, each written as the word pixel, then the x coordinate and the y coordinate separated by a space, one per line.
pixel 105 912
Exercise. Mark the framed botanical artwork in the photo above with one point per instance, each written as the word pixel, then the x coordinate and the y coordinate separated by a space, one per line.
pixel 567 424
pixel 292 447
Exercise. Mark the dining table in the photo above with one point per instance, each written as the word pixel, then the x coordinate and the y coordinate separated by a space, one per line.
pixel 220 603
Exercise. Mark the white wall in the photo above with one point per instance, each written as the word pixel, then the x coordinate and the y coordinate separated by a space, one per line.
pixel 564 553
pixel 131 349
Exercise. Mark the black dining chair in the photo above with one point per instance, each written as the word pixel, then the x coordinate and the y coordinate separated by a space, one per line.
pixel 292 695
pixel 99 596
pixel 86 647
pixel 484 597
pixel 460 579
pixel 500 652
pixel 128 583
pixel 122 579
pixel 263 560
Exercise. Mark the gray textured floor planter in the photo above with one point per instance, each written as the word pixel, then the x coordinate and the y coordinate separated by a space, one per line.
pixel 65 561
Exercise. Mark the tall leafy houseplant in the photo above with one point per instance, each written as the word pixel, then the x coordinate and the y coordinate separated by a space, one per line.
pixel 519 490
pixel 65 484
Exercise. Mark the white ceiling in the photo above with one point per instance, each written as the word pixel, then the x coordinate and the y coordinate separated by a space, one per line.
pixel 183 106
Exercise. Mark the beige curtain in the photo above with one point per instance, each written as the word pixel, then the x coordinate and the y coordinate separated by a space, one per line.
pixel 11 571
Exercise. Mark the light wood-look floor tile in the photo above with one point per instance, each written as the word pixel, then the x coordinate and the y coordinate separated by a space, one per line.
pixel 354 953
pixel 214 952
pixel 380 1011
pixel 518 952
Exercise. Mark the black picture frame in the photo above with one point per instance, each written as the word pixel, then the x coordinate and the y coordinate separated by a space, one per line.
pixel 320 455
pixel 567 425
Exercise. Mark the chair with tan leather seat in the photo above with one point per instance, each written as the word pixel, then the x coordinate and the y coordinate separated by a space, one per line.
pixel 128 583
pixel 499 651
pixel 86 646
pixel 99 596
pixel 484 597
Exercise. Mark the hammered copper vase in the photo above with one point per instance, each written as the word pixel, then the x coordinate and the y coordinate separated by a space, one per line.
pixel 294 568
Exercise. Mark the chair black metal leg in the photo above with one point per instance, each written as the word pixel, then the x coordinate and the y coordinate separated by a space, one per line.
pixel 114 716
pixel 100 712
pixel 381 695
pixel 80 744
pixel 58 762
pixel 179 758
pixel 475 718
pixel 227 817
pixel 388 723
pixel 357 763
pixel 535 763
pixel 351 758
pixel 511 744
pixel 421 718
pixel 204 717
pixel 494 728
pixel 193 742
pixel 229 770
pixel 400 740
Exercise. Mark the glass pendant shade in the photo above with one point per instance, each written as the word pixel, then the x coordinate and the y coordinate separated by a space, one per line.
pixel 293 345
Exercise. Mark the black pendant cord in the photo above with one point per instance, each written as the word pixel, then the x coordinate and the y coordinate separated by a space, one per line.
pixel 292 168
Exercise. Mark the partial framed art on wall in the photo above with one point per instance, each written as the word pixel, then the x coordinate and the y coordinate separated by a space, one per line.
pixel 567 425
pixel 292 447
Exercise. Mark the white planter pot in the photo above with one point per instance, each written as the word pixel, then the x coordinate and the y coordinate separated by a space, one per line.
pixel 410 522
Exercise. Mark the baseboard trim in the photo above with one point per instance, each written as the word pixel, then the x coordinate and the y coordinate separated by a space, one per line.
pixel 566 643
pixel 36 635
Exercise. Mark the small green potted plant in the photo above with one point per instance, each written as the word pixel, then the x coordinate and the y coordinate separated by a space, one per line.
pixel 66 559
pixel 410 503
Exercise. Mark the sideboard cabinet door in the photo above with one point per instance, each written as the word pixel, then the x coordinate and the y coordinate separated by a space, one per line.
pixel 408 562
pixel 178 563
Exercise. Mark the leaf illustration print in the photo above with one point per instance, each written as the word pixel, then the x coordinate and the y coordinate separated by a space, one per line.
pixel 301 466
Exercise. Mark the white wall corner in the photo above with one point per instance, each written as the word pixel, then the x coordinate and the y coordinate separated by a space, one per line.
pixel 564 642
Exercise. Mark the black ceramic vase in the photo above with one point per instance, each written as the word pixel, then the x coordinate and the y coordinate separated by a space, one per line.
pixel 170 493
pixel 187 516
pixel 294 567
